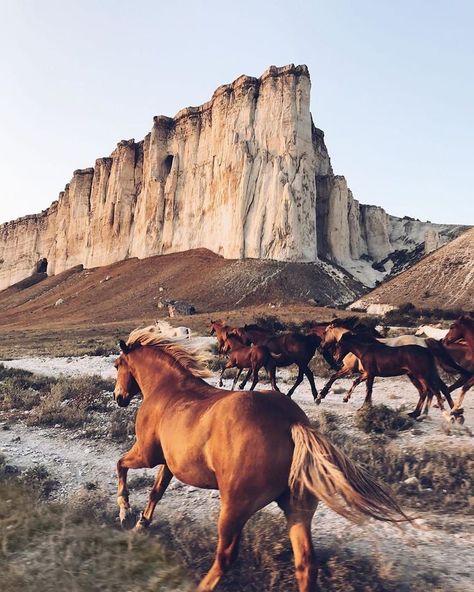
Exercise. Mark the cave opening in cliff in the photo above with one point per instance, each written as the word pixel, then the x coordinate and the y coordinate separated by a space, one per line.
pixel 168 164
pixel 42 265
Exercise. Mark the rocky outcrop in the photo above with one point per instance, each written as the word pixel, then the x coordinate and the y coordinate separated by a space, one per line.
pixel 245 175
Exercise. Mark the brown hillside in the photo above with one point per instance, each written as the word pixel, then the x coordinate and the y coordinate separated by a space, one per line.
pixel 131 289
pixel 443 279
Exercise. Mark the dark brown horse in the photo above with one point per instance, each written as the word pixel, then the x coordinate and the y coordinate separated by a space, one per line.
pixel 460 343
pixel 291 348
pixel 378 359
pixel 252 357
pixel 254 447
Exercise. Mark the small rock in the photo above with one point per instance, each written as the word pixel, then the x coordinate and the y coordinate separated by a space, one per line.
pixel 412 481
pixel 59 301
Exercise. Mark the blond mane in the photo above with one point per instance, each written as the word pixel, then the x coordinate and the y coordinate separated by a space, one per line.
pixel 192 357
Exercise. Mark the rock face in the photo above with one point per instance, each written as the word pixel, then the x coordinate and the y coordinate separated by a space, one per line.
pixel 245 175
pixel 443 279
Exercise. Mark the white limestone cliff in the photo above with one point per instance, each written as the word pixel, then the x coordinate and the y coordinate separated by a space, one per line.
pixel 247 174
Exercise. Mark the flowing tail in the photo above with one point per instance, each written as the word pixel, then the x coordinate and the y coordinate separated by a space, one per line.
pixel 443 356
pixel 320 469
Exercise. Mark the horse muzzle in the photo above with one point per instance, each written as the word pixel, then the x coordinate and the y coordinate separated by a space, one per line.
pixel 122 400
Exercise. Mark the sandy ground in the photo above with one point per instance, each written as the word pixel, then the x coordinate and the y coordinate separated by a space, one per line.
pixel 443 545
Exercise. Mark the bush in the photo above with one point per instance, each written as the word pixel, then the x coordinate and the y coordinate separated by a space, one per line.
pixel 380 419
pixel 70 401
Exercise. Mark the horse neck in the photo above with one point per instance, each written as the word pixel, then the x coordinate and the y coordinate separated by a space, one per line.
pixel 235 342
pixel 356 347
pixel 153 368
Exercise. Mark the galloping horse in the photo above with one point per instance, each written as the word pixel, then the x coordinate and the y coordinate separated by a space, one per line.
pixel 252 357
pixel 460 337
pixel 254 447
pixel 378 359
pixel 220 329
pixel 447 358
pixel 291 348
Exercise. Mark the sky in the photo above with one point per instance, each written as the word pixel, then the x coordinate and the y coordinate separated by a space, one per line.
pixel 392 87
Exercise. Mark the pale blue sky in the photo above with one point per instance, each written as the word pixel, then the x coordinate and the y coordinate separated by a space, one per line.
pixel 393 87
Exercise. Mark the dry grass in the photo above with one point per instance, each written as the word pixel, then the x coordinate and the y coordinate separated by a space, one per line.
pixel 70 401
pixel 265 560
pixel 52 547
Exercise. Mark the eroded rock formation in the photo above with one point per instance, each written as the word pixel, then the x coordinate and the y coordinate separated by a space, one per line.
pixel 245 175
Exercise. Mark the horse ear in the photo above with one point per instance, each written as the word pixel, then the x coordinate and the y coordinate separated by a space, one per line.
pixel 123 346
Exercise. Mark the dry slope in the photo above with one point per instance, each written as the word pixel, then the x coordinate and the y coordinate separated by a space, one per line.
pixel 131 289
pixel 442 279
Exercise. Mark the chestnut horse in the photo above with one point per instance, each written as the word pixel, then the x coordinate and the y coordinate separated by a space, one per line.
pixel 253 447
pixel 378 359
pixel 252 357
pixel 291 348
pixel 220 329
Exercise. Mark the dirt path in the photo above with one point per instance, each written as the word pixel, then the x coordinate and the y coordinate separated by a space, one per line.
pixel 442 548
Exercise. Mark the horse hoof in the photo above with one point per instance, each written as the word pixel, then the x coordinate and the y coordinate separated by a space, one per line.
pixel 318 400
pixel 347 401
pixel 142 524
pixel 127 518
pixel 457 412
pixel 460 419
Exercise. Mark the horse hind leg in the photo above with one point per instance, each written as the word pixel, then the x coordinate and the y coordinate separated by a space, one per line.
pixel 255 377
pixel 229 529
pixel 299 514
pixel 162 481
pixel 245 380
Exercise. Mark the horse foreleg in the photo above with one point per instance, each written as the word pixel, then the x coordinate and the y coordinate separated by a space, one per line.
pixel 229 528
pixel 298 517
pixel 356 382
pixel 162 481
pixel 130 460
pixel 310 376
pixel 226 367
pixel 299 380
pixel 457 406
pixel 339 374
pixel 369 388
pixel 461 381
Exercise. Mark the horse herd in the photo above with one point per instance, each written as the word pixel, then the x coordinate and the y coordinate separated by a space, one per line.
pixel 349 346
pixel 259 447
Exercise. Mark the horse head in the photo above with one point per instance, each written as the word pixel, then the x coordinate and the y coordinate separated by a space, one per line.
pixel 126 387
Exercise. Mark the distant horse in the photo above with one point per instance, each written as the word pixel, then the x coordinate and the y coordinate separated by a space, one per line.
pixel 221 330
pixel 378 359
pixel 460 338
pixel 252 357
pixel 351 365
pixel 254 447
pixel 291 348
pixel 433 332
pixel 168 330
